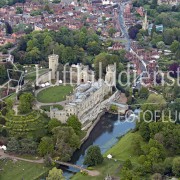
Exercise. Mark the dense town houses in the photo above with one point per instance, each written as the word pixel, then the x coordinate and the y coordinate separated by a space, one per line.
pixel 95 15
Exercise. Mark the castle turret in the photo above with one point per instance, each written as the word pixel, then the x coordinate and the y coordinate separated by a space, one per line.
pixel 53 64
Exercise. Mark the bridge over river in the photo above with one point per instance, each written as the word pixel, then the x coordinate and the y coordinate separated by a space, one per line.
pixel 90 172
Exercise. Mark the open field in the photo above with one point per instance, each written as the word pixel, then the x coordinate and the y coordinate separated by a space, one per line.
pixel 54 94
pixel 21 170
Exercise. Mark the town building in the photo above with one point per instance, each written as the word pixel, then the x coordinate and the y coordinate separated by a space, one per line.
pixel 170 2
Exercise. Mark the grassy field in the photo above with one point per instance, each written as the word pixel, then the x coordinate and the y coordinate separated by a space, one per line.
pixel 21 170
pixel 123 149
pixel 54 94
pixel 121 152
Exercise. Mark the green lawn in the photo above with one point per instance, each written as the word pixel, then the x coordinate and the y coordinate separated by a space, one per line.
pixel 123 149
pixel 21 170
pixel 120 152
pixel 108 166
pixel 54 94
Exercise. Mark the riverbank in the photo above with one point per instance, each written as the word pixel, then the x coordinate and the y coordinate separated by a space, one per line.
pixel 92 125
pixel 120 152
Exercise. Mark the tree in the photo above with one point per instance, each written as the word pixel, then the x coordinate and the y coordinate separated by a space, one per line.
pixel 53 123
pixel 127 164
pixel 144 92
pixel 127 174
pixel 173 68
pixel 175 109
pixel 55 174
pixel 46 146
pixel 25 103
pixel 74 122
pixel 154 102
pixel 176 166
pixel 133 31
pixel 13 145
pixel 112 31
pixel 160 45
pixel 47 41
pixel 157 176
pixel 93 156
pixel 19 10
pixel 3 74
pixel 168 36
pixel 155 152
pixel 171 138
pixel 9 29
pixel 168 166
pixel 105 59
pixel 32 43
pixel 93 47
pixel 33 56
pixel 66 142
pixel 154 4
pixel 136 145
pixel 175 48
pixel 144 131
pixel 28 146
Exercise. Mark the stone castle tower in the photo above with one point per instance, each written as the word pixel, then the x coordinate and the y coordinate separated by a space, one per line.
pixel 110 77
pixel 145 22
pixel 53 64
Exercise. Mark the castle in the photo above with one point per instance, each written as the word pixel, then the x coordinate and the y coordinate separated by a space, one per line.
pixel 87 97
pixel 89 94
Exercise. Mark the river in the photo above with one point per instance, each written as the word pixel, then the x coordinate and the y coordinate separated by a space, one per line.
pixel 105 134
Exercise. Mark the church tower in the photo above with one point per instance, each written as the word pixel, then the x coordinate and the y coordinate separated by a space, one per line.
pixel 53 64
pixel 145 22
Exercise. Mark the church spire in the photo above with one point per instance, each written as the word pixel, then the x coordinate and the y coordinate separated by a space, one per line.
pixel 145 22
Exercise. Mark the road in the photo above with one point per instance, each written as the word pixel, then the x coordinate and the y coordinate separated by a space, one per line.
pixel 128 44
pixel 5 155
pixel 123 27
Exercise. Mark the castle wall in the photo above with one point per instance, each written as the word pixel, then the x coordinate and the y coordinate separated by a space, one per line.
pixel 44 78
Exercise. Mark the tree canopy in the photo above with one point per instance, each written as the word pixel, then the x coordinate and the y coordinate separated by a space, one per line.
pixel 25 103
pixel 93 156
pixel 66 142
pixel 55 174
pixel 74 122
